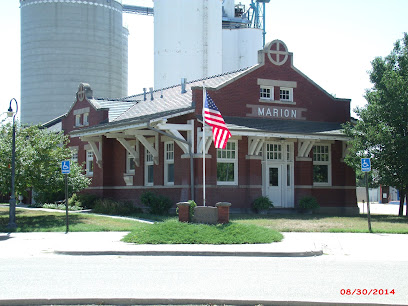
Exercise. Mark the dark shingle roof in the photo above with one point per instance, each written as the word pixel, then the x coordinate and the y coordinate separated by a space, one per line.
pixel 170 99
pixel 283 126
pixel 286 128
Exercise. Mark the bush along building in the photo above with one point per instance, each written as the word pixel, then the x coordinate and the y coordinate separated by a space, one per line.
pixel 286 140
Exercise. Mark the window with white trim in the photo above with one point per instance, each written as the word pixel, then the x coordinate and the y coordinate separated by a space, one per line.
pixel 227 164
pixel 274 151
pixel 74 156
pixel 266 92
pixel 321 165
pixel 85 119
pixel 130 163
pixel 169 163
pixel 286 94
pixel 78 120
pixel 89 162
pixel 149 166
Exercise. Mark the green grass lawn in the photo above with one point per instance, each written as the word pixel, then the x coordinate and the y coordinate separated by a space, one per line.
pixel 323 223
pixel 242 228
pixel 42 221
pixel 174 232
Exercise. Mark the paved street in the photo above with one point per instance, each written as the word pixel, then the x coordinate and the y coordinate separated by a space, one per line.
pixel 188 279
pixel 305 268
pixel 35 266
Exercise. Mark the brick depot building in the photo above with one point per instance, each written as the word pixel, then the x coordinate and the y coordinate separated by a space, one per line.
pixel 286 140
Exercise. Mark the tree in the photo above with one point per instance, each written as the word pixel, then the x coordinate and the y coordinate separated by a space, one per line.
pixel 381 133
pixel 38 163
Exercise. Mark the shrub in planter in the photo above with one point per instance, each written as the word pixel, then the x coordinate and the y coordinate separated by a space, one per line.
pixel 308 203
pixel 157 204
pixel 192 206
pixel 262 203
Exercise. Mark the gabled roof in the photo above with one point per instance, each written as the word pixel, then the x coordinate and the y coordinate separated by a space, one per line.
pixel 115 107
pixel 136 111
pixel 171 98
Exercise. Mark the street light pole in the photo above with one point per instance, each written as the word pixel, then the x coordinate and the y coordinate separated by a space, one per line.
pixel 12 215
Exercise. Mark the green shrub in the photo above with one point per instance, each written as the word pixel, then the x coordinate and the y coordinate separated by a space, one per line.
pixel 87 200
pixel 157 204
pixel 74 201
pixel 112 207
pixel 61 207
pixel 193 205
pixel 262 203
pixel 308 202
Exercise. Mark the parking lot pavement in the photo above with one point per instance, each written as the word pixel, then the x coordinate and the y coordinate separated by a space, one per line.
pixel 380 209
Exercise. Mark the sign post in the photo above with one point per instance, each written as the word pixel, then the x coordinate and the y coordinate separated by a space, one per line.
pixel 366 167
pixel 66 169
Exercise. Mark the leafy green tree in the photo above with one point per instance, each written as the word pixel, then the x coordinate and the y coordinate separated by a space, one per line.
pixel 38 163
pixel 381 133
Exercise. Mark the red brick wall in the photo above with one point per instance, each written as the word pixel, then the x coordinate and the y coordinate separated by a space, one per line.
pixel 232 99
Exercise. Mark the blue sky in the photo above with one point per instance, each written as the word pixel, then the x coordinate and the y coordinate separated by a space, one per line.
pixel 333 42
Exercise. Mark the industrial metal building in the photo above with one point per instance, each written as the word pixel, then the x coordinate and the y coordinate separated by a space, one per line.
pixel 65 42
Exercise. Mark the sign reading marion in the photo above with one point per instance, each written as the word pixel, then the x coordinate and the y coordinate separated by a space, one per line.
pixel 277 112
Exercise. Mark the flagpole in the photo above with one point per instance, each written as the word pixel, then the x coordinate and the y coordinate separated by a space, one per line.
pixel 203 141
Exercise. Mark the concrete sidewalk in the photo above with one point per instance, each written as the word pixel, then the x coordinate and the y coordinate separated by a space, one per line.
pixel 109 243
pixel 392 246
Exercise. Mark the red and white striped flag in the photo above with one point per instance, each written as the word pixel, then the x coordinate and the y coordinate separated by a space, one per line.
pixel 213 118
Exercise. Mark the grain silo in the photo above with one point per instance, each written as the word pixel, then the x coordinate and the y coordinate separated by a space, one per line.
pixel 65 42
pixel 241 38
pixel 187 40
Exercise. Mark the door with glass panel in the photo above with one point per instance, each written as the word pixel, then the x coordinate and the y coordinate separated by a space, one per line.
pixel 274 185
pixel 279 173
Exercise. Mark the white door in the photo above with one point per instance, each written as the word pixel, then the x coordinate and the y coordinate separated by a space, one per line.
pixel 274 184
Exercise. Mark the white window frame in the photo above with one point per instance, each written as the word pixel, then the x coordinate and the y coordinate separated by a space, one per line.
pixel 130 161
pixel 74 156
pixel 226 159
pixel 85 120
pixel 263 96
pixel 89 161
pixel 149 162
pixel 274 155
pixel 318 161
pixel 290 90
pixel 168 160
pixel 78 120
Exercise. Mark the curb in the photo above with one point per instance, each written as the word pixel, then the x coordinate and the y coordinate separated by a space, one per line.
pixel 155 301
pixel 192 253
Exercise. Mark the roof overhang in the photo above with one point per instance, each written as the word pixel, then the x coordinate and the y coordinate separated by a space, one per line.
pixel 123 125
pixel 288 129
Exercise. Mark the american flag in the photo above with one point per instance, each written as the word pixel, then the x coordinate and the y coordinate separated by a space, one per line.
pixel 213 118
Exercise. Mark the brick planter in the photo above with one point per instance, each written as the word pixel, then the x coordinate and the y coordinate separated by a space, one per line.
pixel 184 211
pixel 223 212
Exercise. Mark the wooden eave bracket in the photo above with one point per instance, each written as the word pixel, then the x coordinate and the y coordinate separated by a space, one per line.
pixel 345 150
pixel 174 129
pixel 152 148
pixel 304 147
pixel 255 145
pixel 96 145
pixel 208 140
pixel 133 150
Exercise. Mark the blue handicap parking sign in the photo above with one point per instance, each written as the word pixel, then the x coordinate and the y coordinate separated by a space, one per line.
pixel 365 165
pixel 65 167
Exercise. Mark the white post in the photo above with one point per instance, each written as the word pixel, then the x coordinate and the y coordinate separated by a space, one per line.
pixel 203 141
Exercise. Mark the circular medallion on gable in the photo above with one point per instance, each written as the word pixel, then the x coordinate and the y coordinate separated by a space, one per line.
pixel 81 92
pixel 277 52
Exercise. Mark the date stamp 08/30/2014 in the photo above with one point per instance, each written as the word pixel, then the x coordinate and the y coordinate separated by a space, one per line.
pixel 367 291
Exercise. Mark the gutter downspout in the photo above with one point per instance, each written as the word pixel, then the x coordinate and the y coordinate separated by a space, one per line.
pixel 190 152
